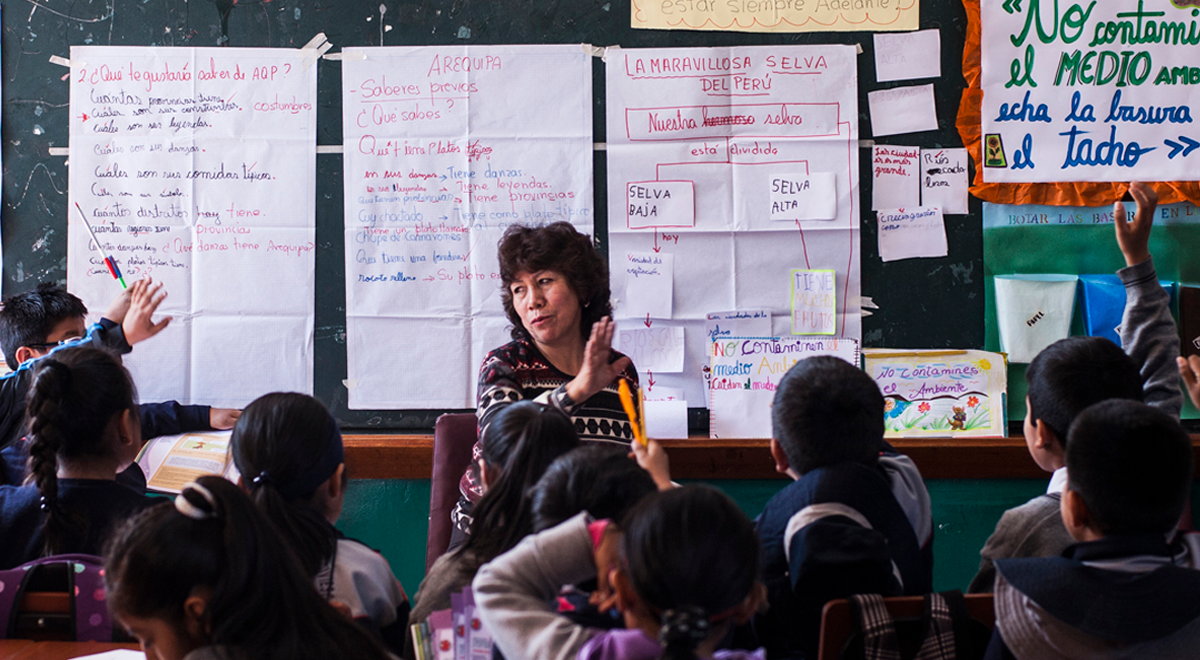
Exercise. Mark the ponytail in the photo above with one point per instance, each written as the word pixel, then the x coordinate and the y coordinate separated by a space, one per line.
pixel 260 604
pixel 286 445
pixel 683 629
pixel 523 440
pixel 72 400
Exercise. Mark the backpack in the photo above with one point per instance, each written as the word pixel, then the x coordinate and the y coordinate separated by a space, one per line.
pixel 944 631
pixel 81 577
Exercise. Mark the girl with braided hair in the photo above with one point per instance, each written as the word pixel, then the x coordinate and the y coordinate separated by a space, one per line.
pixel 84 430
pixel 686 573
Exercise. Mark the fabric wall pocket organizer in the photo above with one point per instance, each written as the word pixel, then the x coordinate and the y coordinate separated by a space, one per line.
pixel 1033 312
pixel 1104 304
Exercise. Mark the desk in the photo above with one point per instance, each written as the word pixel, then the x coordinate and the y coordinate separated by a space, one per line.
pixel 411 456
pixel 23 649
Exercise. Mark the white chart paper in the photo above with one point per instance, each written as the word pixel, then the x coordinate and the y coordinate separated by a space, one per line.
pixel 657 348
pixel 729 122
pixel 895 176
pixel 908 55
pixel 649 284
pixel 447 146
pixel 944 180
pixel 666 419
pixel 910 233
pixel 804 196
pixel 196 166
pixel 902 110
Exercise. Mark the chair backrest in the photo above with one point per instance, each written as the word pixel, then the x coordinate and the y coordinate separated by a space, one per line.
pixel 453 436
pixel 837 619
pixel 58 598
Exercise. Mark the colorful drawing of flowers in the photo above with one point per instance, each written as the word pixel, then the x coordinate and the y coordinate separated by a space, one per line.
pixel 924 407
pixel 972 402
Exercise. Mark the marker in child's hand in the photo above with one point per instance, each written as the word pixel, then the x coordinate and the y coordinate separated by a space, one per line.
pixel 108 261
pixel 631 412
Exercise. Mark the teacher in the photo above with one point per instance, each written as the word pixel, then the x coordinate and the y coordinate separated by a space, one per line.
pixel 555 292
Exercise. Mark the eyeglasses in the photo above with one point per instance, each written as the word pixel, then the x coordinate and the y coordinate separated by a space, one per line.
pixel 46 347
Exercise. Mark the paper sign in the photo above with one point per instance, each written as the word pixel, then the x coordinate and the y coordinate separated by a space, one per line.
pixel 660 204
pixel 745 372
pixel 777 16
pixel 666 419
pixel 911 233
pixel 944 180
pixel 649 284
pixel 804 197
pixel 814 302
pixel 1103 91
pixel 908 56
pixel 902 110
pixel 940 393
pixel 654 348
pixel 895 177
pixel 1033 311
pixel 750 323
pixel 197 166
pixel 445 147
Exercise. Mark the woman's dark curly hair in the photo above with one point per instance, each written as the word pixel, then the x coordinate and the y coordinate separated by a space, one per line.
pixel 558 247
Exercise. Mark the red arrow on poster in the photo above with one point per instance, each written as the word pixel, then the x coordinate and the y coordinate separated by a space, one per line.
pixel 647 321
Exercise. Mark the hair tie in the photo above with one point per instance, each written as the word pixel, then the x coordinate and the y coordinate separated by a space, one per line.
pixel 263 479
pixel 684 626
pixel 188 508
pixel 46 503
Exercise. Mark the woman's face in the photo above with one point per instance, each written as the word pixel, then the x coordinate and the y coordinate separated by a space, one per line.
pixel 548 307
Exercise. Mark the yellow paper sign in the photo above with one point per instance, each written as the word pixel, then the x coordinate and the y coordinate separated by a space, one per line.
pixel 776 15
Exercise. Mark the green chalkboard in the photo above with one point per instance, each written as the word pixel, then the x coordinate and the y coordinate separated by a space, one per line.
pixel 923 303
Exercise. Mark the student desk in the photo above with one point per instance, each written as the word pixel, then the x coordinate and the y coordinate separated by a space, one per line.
pixel 23 649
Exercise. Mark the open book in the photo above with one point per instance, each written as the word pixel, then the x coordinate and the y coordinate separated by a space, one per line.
pixel 172 461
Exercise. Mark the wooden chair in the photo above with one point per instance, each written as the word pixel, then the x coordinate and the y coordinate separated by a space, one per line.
pixel 453 436
pixel 837 619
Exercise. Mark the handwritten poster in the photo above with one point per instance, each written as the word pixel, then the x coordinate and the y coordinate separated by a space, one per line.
pixel 745 372
pixel 908 55
pixel 776 15
pixel 649 285
pixel 654 348
pixel 1090 91
pixel 196 166
pixel 445 148
pixel 944 180
pixel 746 128
pixel 895 176
pixel 902 110
pixel 940 393
pixel 911 233
pixel 814 302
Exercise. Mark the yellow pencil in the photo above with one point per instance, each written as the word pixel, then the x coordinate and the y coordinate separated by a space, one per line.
pixel 631 412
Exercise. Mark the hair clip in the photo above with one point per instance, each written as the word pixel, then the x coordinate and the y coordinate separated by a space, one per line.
pixel 45 504
pixel 263 479
pixel 184 505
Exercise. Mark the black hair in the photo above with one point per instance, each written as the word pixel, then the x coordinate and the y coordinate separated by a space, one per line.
pixel 600 479
pixel 26 319
pixel 522 441
pixel 1132 465
pixel 276 443
pixel 692 557
pixel 827 411
pixel 557 246
pixel 1072 374
pixel 260 605
pixel 75 395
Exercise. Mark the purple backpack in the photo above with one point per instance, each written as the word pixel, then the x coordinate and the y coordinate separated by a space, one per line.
pixel 81 576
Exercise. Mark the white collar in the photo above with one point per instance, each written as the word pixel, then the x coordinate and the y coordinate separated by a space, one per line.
pixel 1058 482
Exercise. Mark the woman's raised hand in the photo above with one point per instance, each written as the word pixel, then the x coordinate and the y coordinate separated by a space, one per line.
pixel 596 373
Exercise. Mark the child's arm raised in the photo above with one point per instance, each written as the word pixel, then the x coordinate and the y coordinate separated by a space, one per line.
pixel 1189 370
pixel 1148 332
pixel 145 296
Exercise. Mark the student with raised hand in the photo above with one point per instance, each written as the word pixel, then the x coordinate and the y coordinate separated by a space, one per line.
pixel 1076 372
pixel 1121 591
pixel 289 451
pixel 207 578
pixel 35 322
pixel 688 572
pixel 83 431
pixel 518 445
pixel 599 479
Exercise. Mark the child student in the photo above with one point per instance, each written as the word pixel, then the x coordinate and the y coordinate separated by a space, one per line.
pixel 207 578
pixel 688 573
pixel 34 322
pixel 1120 592
pixel 289 452
pixel 855 520
pixel 83 430
pixel 518 445
pixel 1073 373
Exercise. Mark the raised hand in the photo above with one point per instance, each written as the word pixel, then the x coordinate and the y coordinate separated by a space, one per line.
pixel 1189 371
pixel 596 373
pixel 145 297
pixel 1134 237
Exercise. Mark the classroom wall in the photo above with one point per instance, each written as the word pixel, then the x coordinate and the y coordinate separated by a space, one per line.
pixel 392 515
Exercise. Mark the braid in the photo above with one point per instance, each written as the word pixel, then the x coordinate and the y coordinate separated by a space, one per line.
pixel 50 386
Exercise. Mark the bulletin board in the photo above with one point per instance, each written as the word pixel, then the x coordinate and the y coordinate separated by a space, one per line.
pixel 919 303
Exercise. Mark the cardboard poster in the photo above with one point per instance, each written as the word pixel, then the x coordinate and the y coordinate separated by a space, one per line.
pixel 446 147
pixel 760 144
pixel 196 166
pixel 940 393
pixel 776 15
pixel 1095 91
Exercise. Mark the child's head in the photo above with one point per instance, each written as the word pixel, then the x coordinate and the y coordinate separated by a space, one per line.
pixel 517 447
pixel 599 479
pixel 1066 377
pixel 826 411
pixel 289 452
pixel 689 567
pixel 82 411
pixel 1129 471
pixel 210 570
pixel 33 322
